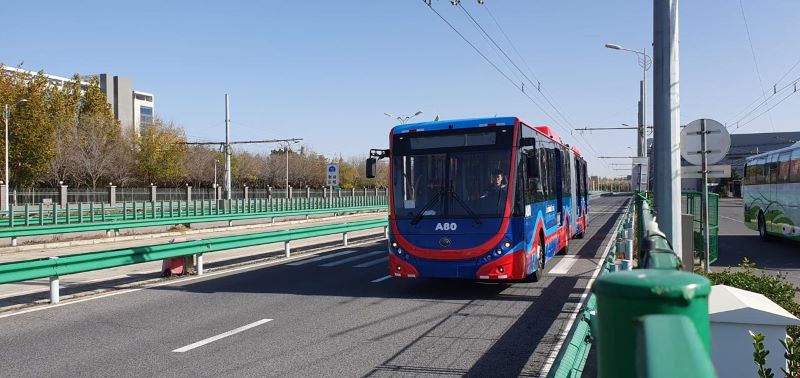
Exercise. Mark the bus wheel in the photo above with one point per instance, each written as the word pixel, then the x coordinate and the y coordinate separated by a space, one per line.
pixel 539 273
pixel 762 227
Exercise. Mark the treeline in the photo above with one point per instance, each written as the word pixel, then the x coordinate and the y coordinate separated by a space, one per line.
pixel 69 135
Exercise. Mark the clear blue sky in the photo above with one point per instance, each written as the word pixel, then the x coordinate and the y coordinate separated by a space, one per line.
pixel 326 71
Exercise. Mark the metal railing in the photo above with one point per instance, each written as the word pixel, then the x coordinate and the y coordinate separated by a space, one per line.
pixel 43 215
pixel 651 321
pixel 36 196
pixel 54 267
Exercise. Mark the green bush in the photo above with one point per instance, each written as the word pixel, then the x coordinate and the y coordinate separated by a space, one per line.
pixel 774 287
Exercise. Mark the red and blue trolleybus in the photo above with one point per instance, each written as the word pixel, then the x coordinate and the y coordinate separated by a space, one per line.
pixel 483 199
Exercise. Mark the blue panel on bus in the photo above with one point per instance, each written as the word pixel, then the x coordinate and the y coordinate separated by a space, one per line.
pixel 455 124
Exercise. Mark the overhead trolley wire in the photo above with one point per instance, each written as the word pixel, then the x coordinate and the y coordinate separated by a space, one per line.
pixel 520 87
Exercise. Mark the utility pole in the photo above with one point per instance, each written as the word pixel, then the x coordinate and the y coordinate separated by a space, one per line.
pixel 666 120
pixel 642 142
pixel 227 148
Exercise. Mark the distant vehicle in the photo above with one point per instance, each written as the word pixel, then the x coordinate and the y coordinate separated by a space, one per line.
pixel 485 199
pixel 771 192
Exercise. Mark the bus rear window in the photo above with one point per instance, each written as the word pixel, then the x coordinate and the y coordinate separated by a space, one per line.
pixel 450 141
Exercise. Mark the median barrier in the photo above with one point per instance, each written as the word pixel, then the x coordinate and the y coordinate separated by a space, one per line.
pixel 54 267
pixel 112 228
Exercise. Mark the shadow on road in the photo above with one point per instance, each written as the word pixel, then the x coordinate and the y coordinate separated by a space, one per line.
pixel 777 254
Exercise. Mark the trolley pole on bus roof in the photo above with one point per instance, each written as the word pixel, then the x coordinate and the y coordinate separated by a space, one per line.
pixel 666 119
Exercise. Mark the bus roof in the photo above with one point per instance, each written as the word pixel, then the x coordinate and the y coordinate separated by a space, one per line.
pixel 474 122
pixel 455 124
pixel 765 154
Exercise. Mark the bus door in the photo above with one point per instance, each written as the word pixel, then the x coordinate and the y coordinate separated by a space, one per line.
pixel 559 186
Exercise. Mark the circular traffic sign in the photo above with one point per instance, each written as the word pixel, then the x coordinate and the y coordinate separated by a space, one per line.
pixel 718 141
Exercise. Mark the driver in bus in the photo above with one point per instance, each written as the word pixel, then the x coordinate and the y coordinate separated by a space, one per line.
pixel 497 188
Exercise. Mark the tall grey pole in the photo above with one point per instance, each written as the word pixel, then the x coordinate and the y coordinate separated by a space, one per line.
pixel 6 114
pixel 704 167
pixel 643 129
pixel 287 169
pixel 666 119
pixel 227 148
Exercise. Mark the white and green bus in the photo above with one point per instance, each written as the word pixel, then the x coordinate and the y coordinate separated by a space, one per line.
pixel 771 192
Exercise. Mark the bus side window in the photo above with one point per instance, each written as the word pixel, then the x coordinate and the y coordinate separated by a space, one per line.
pixel 794 174
pixel 783 167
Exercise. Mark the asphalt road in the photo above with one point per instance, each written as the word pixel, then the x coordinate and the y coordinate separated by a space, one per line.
pixel 736 242
pixel 332 314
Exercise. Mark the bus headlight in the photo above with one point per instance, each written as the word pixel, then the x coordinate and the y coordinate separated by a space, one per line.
pixel 394 244
pixel 507 244
pixel 399 251
pixel 498 252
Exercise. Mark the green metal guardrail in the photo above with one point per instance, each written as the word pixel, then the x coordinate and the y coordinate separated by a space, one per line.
pixel 658 337
pixel 573 357
pixel 23 231
pixel 658 314
pixel 87 213
pixel 54 267
pixel 655 251
pixel 649 322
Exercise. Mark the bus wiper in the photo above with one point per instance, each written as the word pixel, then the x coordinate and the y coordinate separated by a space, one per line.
pixel 471 213
pixel 427 207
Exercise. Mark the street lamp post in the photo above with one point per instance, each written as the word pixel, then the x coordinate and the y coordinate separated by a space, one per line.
pixel 645 63
pixel 6 115
pixel 403 118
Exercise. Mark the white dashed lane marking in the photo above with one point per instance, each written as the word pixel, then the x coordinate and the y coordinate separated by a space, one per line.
pixel 221 336
pixel 320 258
pixel 354 258
pixel 373 262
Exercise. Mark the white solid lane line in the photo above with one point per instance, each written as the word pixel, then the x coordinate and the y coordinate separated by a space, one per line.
pixel 221 336
pixel 563 266
pixel 354 258
pixel 373 262
pixel 325 257
pixel 729 218
pixel 384 278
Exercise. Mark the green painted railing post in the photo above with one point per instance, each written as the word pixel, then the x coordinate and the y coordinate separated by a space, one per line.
pixel 55 213
pixel 102 211
pixel 91 212
pixel 624 297
pixel 27 216
pixel 152 210
pixel 41 214
pixel 124 211
pixel 66 212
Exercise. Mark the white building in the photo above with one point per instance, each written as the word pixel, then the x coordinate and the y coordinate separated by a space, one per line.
pixel 131 108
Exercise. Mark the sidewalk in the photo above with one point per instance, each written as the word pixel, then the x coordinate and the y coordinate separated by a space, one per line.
pixel 22 294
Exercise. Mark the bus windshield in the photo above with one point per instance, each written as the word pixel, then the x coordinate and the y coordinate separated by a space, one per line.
pixel 458 184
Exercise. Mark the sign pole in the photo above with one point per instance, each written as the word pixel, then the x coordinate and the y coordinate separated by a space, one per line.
pixel 704 168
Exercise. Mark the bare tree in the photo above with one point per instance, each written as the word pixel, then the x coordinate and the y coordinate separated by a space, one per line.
pixel 95 143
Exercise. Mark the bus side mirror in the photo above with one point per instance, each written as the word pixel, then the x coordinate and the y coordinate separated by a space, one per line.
pixel 371 162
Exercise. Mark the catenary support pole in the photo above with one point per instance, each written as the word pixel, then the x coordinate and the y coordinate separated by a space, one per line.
pixel 227 148
pixel 666 119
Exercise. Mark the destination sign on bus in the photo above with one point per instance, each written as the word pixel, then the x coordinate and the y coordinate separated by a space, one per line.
pixel 450 141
